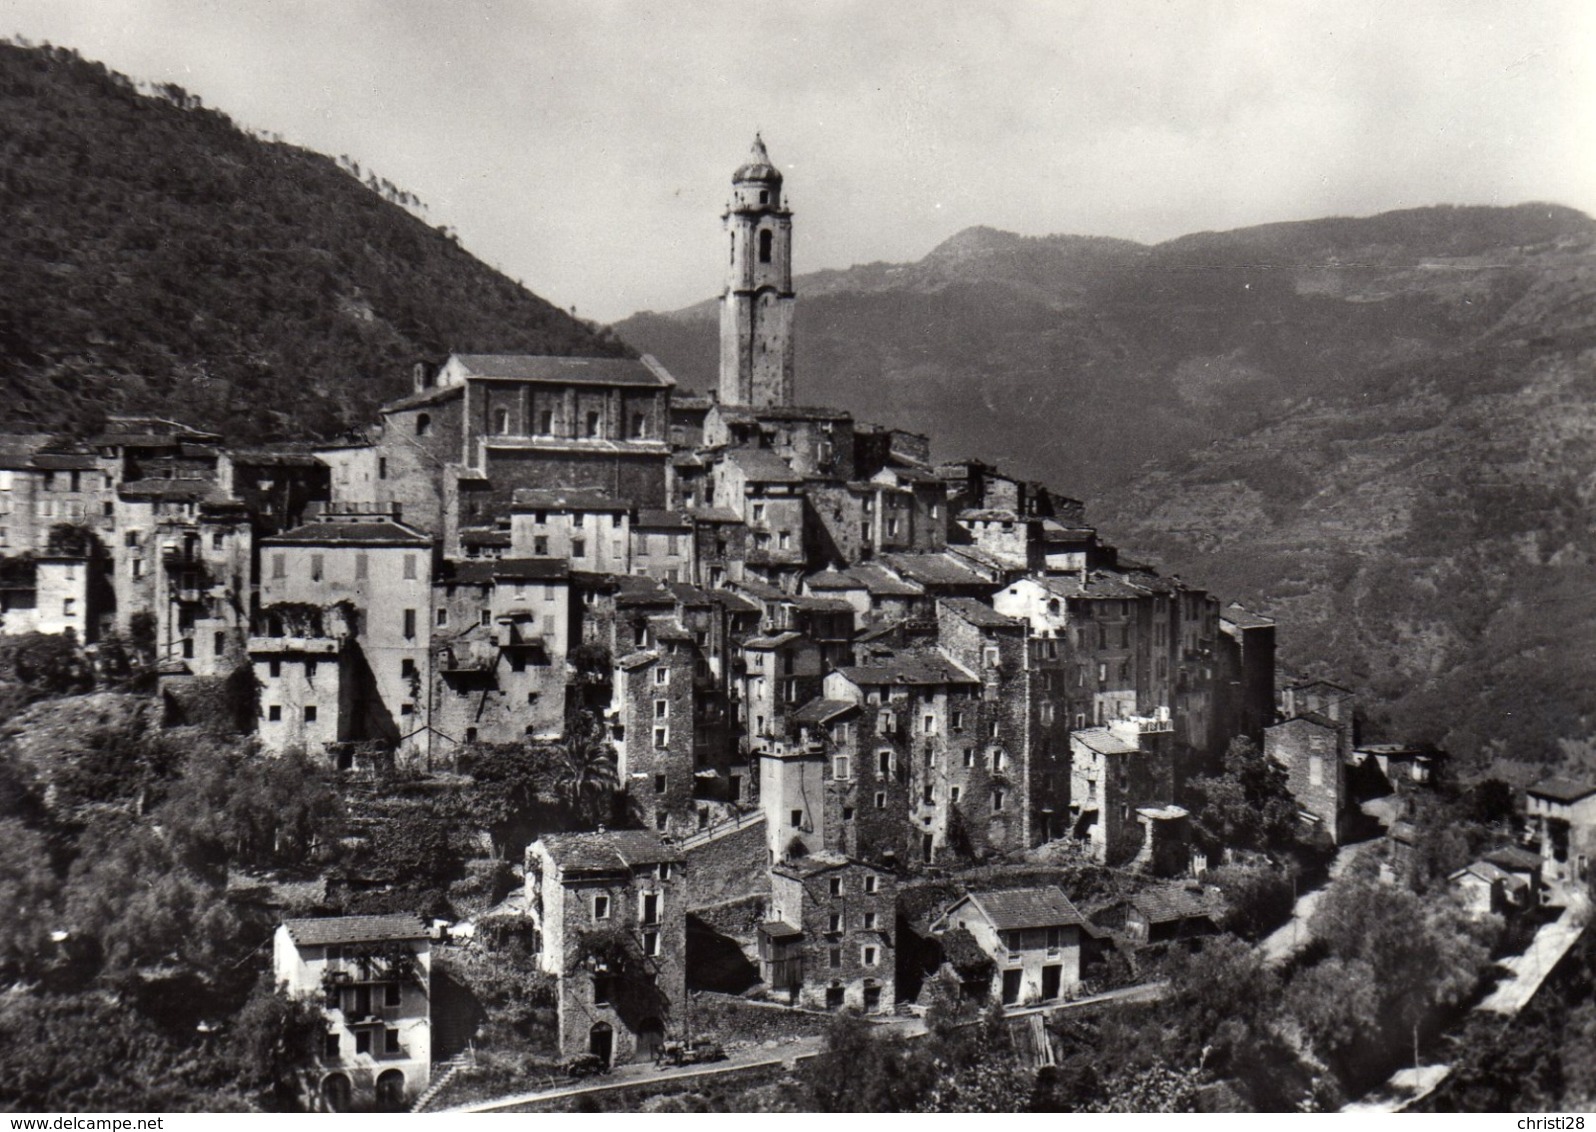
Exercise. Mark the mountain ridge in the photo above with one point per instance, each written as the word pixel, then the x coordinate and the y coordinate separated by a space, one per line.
pixel 158 255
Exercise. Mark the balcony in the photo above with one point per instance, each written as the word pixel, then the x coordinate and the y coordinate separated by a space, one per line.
pixel 468 658
pixel 298 646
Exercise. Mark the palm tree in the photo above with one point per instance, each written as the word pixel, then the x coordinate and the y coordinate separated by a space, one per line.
pixel 586 778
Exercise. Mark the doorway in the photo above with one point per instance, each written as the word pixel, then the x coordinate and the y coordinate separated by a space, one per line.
pixel 601 1042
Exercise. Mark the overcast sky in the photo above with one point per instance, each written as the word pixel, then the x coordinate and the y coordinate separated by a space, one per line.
pixel 585 148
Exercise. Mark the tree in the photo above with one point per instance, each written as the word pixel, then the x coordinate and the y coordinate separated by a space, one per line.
pixel 1423 953
pixel 586 777
pixel 512 785
pixel 1248 805
pixel 269 1040
pixel 1336 1004
pixel 28 891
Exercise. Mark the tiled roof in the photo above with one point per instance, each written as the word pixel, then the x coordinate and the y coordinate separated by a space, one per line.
pixel 714 515
pixel 978 613
pixel 1560 789
pixel 656 519
pixel 644 372
pixel 934 569
pixel 484 536
pixel 65 461
pixel 822 710
pixel 530 569
pixel 423 397
pixel 355 929
pixel 772 642
pixel 1010 909
pixel 909 668
pixel 822 861
pixel 382 532
pixel 733 602
pixel 821 604
pixel 608 851
pixel 1103 741
pixel 1165 903
pixel 779 929
pixel 760 465
pixel 1515 858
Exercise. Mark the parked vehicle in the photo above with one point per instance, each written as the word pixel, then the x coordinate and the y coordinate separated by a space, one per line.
pixel 694 1052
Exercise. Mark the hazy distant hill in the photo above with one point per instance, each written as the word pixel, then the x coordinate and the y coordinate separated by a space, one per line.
pixel 1383 429
pixel 155 257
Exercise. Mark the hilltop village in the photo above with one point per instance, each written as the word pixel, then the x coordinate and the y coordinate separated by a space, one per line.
pixel 826 666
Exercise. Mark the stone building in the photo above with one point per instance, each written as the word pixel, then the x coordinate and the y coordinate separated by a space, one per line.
pixel 1033 937
pixel 830 941
pixel 372 976
pixel 611 913
pixel 1115 772
pixel 1563 812
pixel 1314 751
pixel 501 634
pixel 377 576
pixel 588 529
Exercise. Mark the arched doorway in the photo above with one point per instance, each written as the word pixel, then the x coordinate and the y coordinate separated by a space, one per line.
pixel 601 1042
pixel 391 1091
pixel 650 1036
pixel 335 1093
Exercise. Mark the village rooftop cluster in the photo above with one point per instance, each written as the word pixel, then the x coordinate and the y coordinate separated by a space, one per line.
pixel 824 660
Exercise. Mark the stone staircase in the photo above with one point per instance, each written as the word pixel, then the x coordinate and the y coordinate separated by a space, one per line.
pixel 440 1080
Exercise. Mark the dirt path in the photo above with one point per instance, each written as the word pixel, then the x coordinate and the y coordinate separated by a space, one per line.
pixel 1292 936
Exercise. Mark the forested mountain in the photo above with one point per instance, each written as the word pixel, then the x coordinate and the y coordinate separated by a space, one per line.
pixel 1379 429
pixel 157 258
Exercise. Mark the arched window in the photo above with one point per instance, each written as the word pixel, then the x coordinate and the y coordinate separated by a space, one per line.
pixel 501 421
pixel 764 196
pixel 423 424
pixel 765 240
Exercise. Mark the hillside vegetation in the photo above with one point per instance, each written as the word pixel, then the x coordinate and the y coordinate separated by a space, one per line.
pixel 157 258
pixel 1379 429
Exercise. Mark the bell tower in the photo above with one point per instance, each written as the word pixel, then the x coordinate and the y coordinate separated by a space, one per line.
pixel 756 309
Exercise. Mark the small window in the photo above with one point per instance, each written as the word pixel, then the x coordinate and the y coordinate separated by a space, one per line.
pixel 662 675
pixel 601 907
pixel 279 565
pixel 870 921
pixel 501 421
pixel 382 467
pixel 847 813
pixel 834 922
pixel 410 624
pixel 953 795
pixel 881 799
pixel 651 943
pixel 274 713
pixel 662 709
pixel 390 994
pixel 423 424
pixel 835 958
pixel 870 885
pixel 410 567
pixel 766 240
pixel 969 756
pixel 310 713
pixel 362 1041
pixel 834 886
pixel 443 617
pixel 997 801
pixel 659 784
pixel 362 566
pixel 390 1041
pixel 662 737
pixel 797 818
pixel 868 956
pixel 578 548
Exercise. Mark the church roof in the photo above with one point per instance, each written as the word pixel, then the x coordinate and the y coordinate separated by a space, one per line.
pixel 644 371
pixel 758 167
